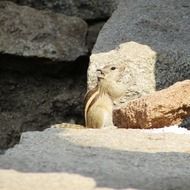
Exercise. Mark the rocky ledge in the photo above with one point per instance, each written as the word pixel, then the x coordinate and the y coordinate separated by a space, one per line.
pixel 97 159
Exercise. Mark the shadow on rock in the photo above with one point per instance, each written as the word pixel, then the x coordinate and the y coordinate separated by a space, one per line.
pixel 51 151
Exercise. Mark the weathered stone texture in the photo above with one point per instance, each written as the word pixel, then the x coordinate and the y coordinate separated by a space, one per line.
pixel 93 159
pixel 88 10
pixel 151 38
pixel 27 32
pixel 163 108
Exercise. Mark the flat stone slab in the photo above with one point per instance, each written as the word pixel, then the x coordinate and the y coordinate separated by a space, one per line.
pixel 96 159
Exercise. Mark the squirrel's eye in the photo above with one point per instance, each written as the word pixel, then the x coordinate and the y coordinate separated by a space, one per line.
pixel 113 68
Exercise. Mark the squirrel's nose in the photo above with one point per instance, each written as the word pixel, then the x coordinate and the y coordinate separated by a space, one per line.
pixel 100 73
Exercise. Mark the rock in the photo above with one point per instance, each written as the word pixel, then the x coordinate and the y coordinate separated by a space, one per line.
pixel 10 129
pixel 11 179
pixel 88 10
pixel 97 159
pixel 163 108
pixel 34 102
pixel 185 123
pixel 151 38
pixel 135 84
pixel 93 31
pixel 31 33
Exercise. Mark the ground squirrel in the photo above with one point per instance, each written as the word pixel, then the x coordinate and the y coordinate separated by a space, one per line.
pixel 99 100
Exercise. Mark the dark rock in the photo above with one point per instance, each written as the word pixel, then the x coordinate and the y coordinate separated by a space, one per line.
pixel 185 123
pixel 88 10
pixel 166 107
pixel 93 31
pixel 34 101
pixel 27 32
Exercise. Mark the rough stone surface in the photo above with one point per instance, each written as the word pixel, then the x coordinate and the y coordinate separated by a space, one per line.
pixel 35 101
pixel 28 32
pixel 134 63
pixel 93 31
pixel 10 180
pixel 185 123
pixel 88 10
pixel 93 159
pixel 151 38
pixel 163 108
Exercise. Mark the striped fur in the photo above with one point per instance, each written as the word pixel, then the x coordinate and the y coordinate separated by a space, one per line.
pixel 99 100
pixel 94 95
pixel 89 100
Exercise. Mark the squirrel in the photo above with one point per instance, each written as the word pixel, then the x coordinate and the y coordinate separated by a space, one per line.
pixel 99 100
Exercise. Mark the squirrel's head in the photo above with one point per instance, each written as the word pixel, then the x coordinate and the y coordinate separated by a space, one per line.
pixel 111 72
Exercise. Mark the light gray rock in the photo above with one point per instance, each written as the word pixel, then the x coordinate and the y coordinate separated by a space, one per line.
pixel 151 38
pixel 88 10
pixel 115 158
pixel 27 32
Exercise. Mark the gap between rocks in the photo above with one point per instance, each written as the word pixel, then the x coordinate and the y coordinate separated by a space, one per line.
pixel 36 93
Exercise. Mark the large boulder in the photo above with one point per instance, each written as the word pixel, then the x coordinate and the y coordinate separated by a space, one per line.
pixel 28 32
pixel 151 38
pixel 97 159
pixel 88 10
pixel 163 108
